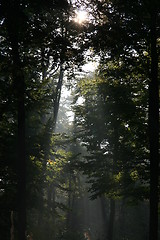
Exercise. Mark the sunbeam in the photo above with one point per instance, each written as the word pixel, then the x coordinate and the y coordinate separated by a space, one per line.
pixel 81 16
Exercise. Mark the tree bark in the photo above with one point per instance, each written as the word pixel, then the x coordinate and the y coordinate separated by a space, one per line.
pixel 69 213
pixel 154 131
pixel 104 215
pixel 21 163
pixel 12 225
pixel 12 19
pixel 111 219
pixel 58 94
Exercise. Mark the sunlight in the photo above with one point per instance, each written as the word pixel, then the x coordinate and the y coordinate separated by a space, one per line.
pixel 81 16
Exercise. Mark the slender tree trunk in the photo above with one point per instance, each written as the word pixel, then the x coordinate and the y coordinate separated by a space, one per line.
pixel 12 225
pixel 69 214
pixel 51 207
pixel 111 219
pixel 71 219
pixel 154 131
pixel 21 163
pixel 58 94
pixel 104 215
pixel 112 201
pixel 122 220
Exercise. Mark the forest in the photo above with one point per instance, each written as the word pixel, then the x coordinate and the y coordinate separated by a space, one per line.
pixel 79 119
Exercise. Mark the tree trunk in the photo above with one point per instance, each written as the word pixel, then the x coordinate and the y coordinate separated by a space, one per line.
pixel 21 163
pixel 69 213
pixel 112 201
pixel 12 225
pixel 122 220
pixel 58 95
pixel 111 219
pixel 104 215
pixel 12 19
pixel 154 131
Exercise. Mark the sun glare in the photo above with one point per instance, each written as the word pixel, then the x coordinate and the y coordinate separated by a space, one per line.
pixel 81 16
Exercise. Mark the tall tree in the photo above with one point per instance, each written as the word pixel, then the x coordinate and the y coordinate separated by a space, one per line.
pixel 113 116
pixel 154 122
pixel 13 18
pixel 131 31
pixel 26 40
